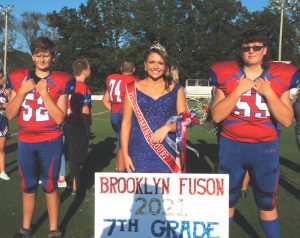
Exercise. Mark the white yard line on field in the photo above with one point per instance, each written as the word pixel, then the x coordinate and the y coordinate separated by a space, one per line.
pixel 14 134
pixel 99 113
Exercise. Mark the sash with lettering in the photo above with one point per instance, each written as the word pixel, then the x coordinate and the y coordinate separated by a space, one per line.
pixel 158 148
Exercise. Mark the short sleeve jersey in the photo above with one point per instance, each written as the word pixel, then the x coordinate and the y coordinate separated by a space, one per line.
pixel 116 87
pixel 251 121
pixel 35 123
pixel 80 98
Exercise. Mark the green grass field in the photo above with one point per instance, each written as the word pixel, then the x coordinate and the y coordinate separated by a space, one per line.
pixel 77 214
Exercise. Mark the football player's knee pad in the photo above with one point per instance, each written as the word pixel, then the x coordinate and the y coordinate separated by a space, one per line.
pixel 29 186
pixel 235 186
pixel 234 196
pixel 49 187
pixel 265 201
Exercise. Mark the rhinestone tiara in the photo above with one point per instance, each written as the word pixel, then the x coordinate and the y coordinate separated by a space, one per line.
pixel 158 46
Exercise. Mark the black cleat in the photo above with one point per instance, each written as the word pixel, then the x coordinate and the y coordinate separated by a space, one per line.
pixel 23 233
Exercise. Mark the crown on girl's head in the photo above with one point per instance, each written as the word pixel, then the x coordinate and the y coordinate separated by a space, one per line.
pixel 158 46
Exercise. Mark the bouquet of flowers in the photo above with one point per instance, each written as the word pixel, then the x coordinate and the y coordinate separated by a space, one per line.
pixel 198 115
pixel 202 111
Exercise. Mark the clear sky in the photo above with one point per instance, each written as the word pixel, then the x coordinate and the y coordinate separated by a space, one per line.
pixel 45 6
pixel 255 5
pixel 42 6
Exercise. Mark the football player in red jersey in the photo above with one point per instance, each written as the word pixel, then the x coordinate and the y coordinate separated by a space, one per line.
pixel 39 99
pixel 113 100
pixel 252 98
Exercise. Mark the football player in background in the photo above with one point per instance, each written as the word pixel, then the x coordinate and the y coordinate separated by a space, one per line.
pixel 39 99
pixel 78 123
pixel 113 100
pixel 252 98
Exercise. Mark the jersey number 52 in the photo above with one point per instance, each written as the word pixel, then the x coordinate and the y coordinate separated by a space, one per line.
pixel 41 113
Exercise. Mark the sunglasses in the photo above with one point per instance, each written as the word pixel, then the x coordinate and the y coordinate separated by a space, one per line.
pixel 254 48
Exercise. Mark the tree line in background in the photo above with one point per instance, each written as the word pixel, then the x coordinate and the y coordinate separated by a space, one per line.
pixel 196 33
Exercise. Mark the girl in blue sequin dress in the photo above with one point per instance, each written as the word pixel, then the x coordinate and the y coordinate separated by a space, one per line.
pixel 154 99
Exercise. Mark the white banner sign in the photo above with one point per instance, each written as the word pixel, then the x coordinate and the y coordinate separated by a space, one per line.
pixel 161 205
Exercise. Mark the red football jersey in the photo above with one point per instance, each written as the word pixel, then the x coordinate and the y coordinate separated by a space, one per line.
pixel 116 87
pixel 250 121
pixel 81 97
pixel 35 123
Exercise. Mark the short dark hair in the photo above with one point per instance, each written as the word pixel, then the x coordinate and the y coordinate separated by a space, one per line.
pixel 127 66
pixel 79 65
pixel 42 44
pixel 251 36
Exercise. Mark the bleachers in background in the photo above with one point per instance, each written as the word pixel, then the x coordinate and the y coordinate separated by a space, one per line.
pixel 197 88
pixel 97 97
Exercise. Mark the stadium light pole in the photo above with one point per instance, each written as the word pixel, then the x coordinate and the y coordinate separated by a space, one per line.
pixel 282 5
pixel 5 10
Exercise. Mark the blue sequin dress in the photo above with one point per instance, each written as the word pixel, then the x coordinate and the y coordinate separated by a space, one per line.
pixel 3 118
pixel 157 113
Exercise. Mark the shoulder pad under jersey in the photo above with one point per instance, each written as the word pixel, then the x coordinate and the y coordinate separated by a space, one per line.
pixel 287 75
pixel 222 72
pixel 16 77
pixel 64 81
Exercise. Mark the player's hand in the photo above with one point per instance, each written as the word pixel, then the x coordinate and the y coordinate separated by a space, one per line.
pixel 27 86
pixel 128 164
pixel 244 84
pixel 42 87
pixel 262 86
pixel 160 134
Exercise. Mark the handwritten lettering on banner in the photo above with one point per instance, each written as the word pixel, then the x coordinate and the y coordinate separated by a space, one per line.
pixel 161 205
